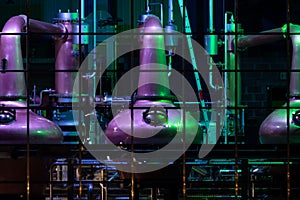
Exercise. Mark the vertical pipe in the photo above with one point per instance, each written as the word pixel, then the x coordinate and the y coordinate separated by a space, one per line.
pixel 211 15
pixel 93 82
pixel 147 7
pixel 225 72
pixel 211 47
pixel 236 154
pixel 28 163
pixel 133 191
pixel 233 77
pixel 80 146
pixel 95 21
pixel 211 41
pixel 94 32
pixel 170 12
pixel 65 61
pixel 161 11
pixel 186 25
pixel 12 83
pixel 82 9
pixel 170 40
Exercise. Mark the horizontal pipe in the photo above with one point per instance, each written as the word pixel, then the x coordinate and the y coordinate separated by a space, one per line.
pixel 16 24
pixel 262 38
pixel 13 83
pixel 275 35
pixel 44 27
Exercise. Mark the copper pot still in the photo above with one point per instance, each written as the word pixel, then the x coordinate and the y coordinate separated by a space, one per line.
pixel 282 126
pixel 19 125
pixel 153 110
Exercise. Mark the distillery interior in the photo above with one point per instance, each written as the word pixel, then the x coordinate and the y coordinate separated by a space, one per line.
pixel 149 99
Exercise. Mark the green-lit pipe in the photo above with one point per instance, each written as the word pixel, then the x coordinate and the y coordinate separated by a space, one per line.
pixel 211 15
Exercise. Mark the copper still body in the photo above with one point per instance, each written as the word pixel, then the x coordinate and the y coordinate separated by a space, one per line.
pixel 282 125
pixel 15 119
pixel 19 125
pixel 153 111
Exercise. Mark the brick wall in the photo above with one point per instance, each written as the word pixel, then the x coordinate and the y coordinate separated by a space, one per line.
pixel 264 84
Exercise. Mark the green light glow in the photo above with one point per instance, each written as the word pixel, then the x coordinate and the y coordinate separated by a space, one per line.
pixel 164 101
pixel 177 125
pixel 229 170
pixel 268 163
pixel 284 30
pixel 41 132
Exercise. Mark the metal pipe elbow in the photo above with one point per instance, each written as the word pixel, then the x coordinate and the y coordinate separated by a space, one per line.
pixel 15 24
